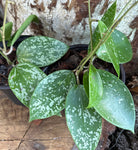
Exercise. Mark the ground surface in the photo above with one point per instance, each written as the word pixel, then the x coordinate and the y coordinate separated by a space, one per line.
pixel 17 133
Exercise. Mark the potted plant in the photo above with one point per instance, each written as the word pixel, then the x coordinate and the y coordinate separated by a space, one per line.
pixel 102 94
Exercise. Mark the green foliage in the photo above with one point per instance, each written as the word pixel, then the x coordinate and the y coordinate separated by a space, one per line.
pixel 16 35
pixel 95 86
pixel 86 82
pixel 108 48
pixel 123 47
pixel 23 79
pixel 116 105
pixel 41 51
pixel 49 96
pixel 107 19
pixel 84 124
pixel 8 29
pixel 109 15
pixel 101 95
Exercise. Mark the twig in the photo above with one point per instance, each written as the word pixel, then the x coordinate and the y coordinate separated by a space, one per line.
pixel 90 22
pixel 24 136
pixel 116 140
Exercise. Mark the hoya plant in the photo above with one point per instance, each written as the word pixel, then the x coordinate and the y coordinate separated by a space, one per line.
pixel 102 94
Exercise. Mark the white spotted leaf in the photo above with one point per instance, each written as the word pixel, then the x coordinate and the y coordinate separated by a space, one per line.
pixel 84 124
pixel 49 96
pixel 116 105
pixel 23 79
pixel 108 48
pixel 41 50
pixel 122 47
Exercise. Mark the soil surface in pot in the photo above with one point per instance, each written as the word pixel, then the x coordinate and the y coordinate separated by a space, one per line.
pixel 72 59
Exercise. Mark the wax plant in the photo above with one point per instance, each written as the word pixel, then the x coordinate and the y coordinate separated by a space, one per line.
pixel 102 94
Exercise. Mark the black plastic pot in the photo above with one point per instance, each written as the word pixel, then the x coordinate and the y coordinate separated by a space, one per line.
pixel 9 93
pixel 78 47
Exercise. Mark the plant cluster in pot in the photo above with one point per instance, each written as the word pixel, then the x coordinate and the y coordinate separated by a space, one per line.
pixel 101 94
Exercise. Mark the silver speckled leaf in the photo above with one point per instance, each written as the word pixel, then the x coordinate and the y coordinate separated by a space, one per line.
pixel 122 48
pixel 41 50
pixel 84 124
pixel 23 79
pixel 49 97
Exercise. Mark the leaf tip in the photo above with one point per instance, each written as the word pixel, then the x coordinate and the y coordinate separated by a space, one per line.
pixel 132 129
pixel 89 106
pixel 30 120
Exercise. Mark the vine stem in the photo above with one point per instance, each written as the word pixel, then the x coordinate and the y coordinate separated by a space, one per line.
pixel 80 67
pixel 122 11
pixel 5 56
pixel 3 30
pixel 126 12
pixel 94 20
pixel 106 36
pixel 90 22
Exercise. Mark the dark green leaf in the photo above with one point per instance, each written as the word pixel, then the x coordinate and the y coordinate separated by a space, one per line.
pixel 31 18
pixel 59 114
pixel 23 79
pixel 122 46
pixel 116 105
pixel 108 19
pixel 85 125
pixel 107 50
pixel 109 15
pixel 49 97
pixel 8 30
pixel 41 50
pixel 95 87
pixel 86 83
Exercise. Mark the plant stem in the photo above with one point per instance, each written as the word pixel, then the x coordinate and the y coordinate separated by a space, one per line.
pixel 3 30
pixel 122 11
pixel 7 59
pixel 126 12
pixel 90 22
pixel 94 20
pixel 77 77
pixel 4 50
